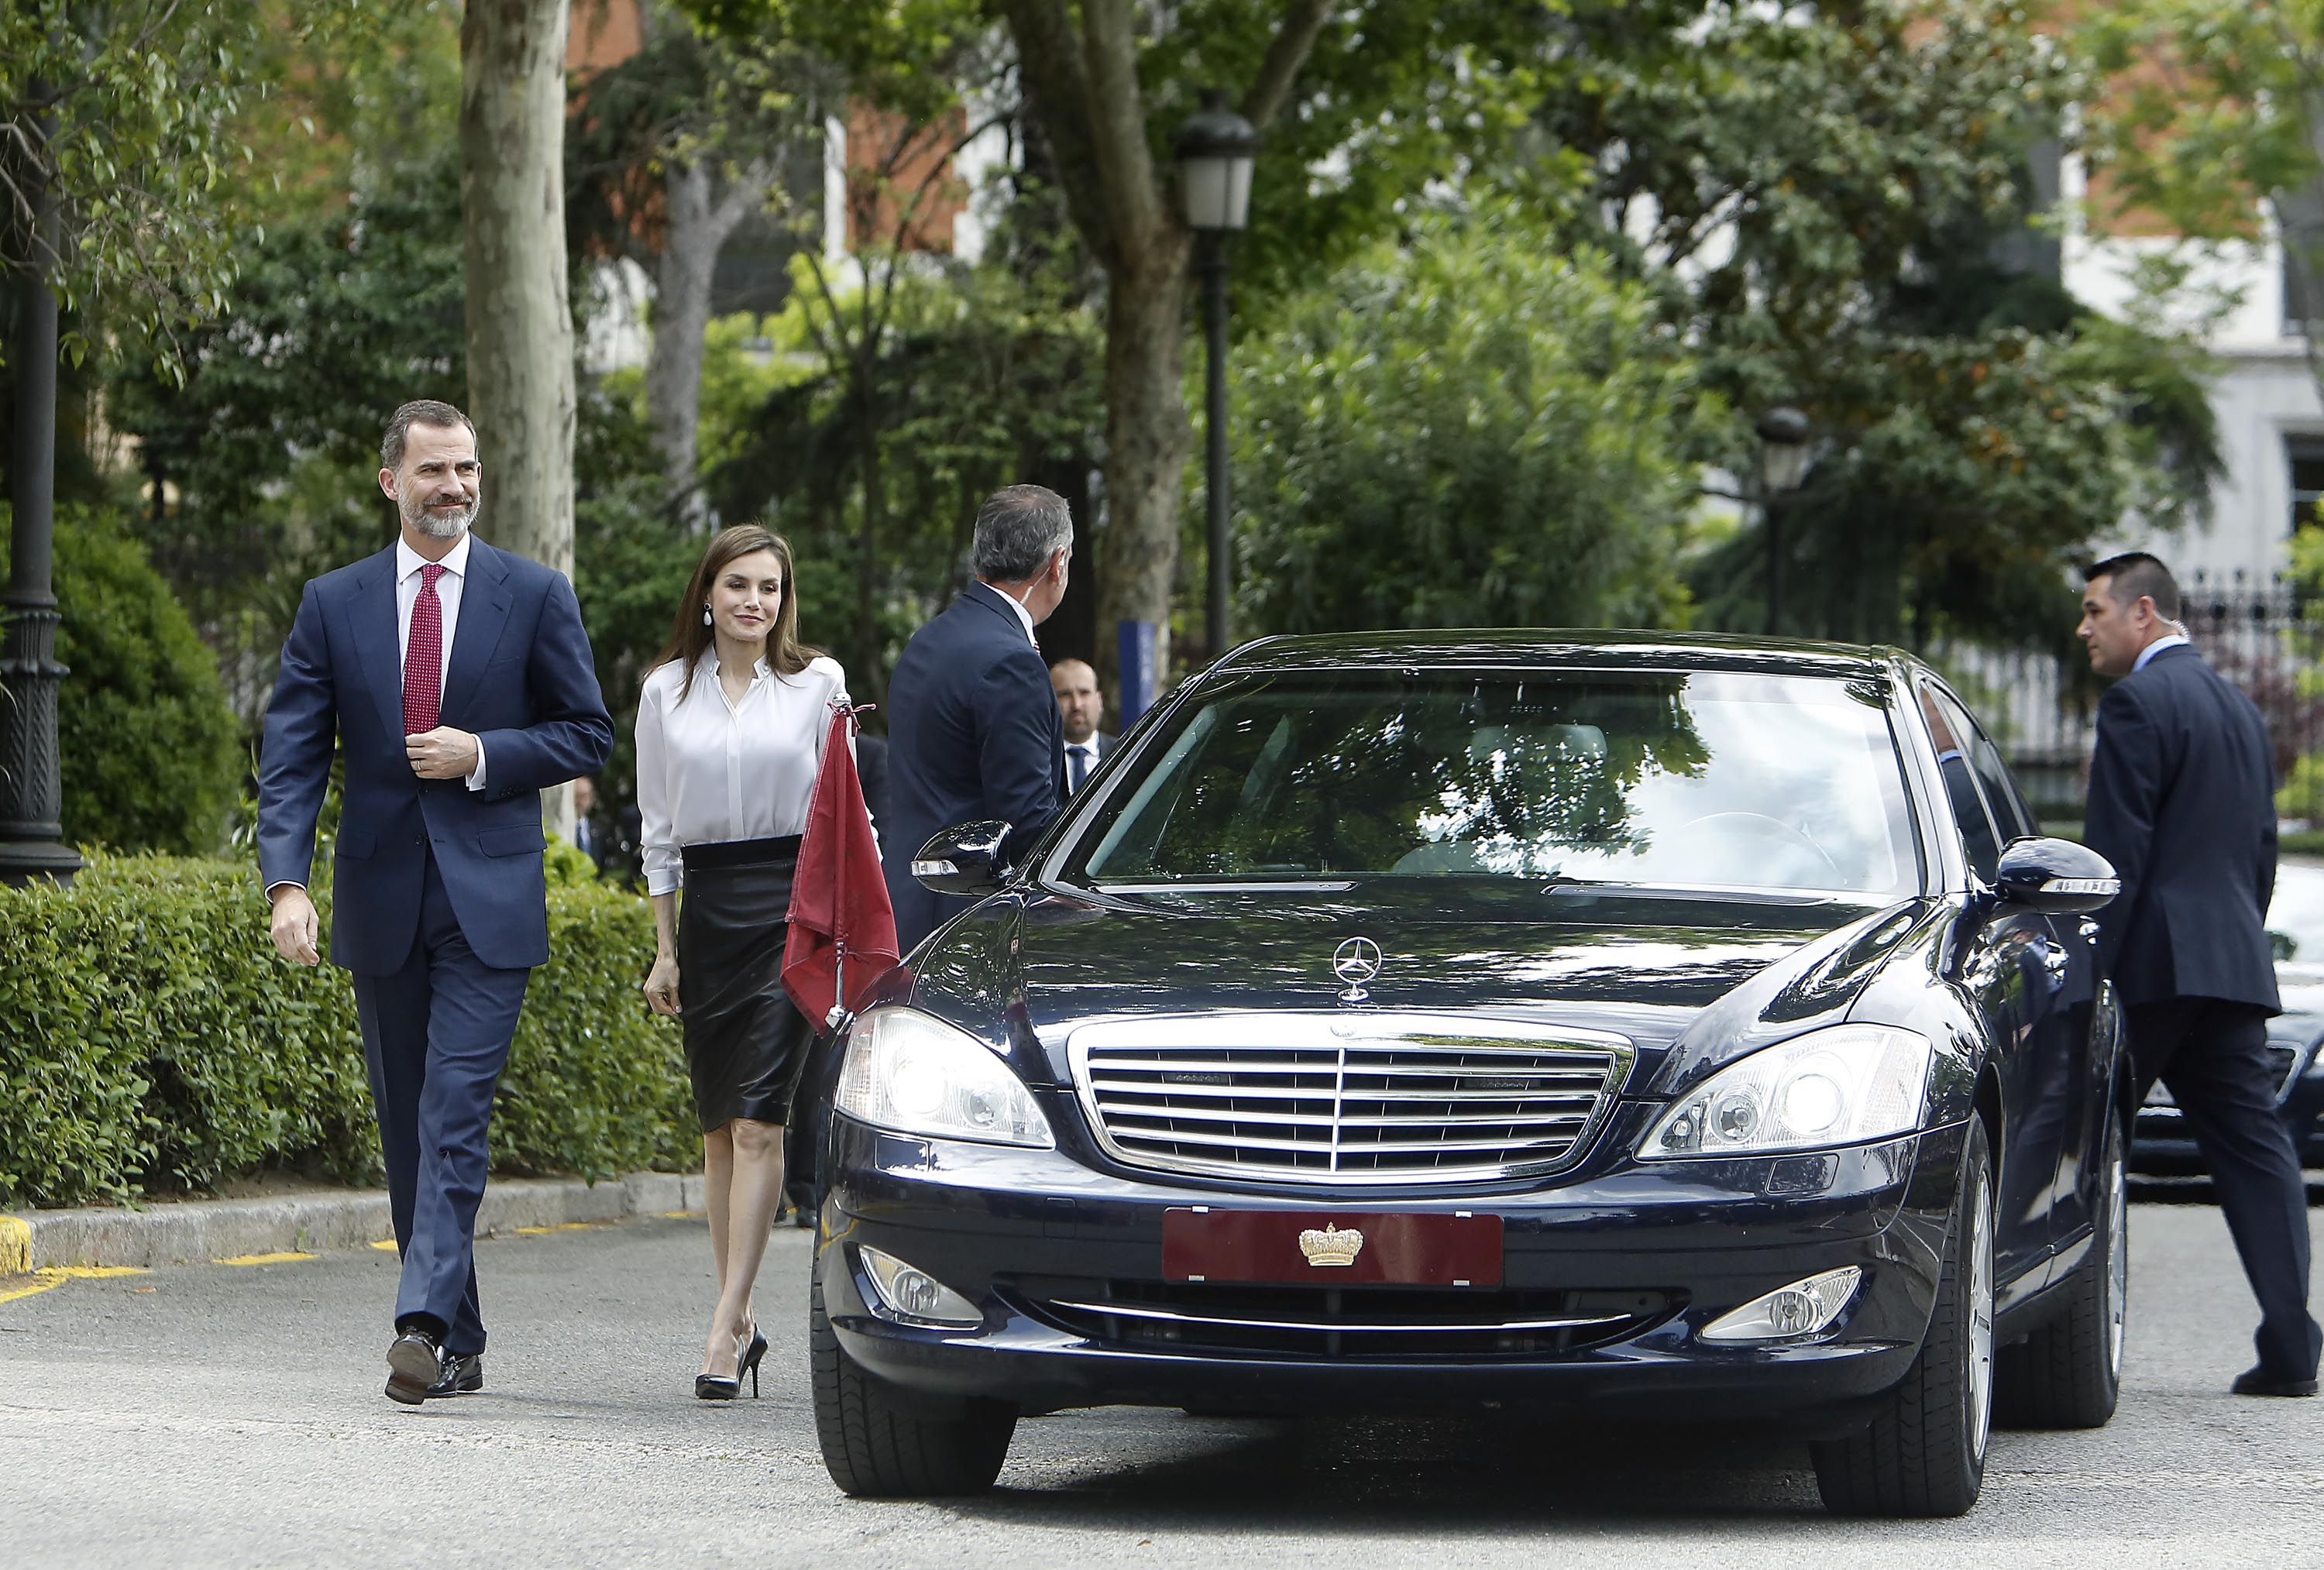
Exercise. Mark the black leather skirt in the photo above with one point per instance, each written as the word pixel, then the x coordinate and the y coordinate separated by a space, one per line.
pixel 744 1040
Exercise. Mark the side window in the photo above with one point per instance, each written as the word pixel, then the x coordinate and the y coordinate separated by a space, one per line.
pixel 2010 813
pixel 1955 737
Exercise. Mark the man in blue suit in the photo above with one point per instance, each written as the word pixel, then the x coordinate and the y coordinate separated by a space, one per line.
pixel 458 682
pixel 2183 802
pixel 973 728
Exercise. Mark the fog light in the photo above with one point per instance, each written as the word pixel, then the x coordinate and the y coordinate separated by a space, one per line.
pixel 1788 1313
pixel 913 1297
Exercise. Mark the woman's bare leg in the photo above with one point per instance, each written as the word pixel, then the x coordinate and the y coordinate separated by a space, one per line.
pixel 718 1188
pixel 754 1193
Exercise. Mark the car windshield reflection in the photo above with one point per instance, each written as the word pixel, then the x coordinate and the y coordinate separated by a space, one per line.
pixel 1579 780
pixel 2295 915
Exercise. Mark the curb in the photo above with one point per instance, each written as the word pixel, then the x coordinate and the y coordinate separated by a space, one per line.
pixel 201 1230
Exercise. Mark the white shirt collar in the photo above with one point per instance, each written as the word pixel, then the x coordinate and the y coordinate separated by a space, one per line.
pixel 2169 640
pixel 1017 605
pixel 409 561
pixel 760 669
pixel 1089 745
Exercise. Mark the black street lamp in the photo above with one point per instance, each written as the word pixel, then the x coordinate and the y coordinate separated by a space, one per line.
pixel 32 837
pixel 1782 465
pixel 1216 150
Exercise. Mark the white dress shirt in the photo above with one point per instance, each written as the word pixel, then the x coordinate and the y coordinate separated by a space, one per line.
pixel 2168 641
pixel 1015 604
pixel 408 563
pixel 712 769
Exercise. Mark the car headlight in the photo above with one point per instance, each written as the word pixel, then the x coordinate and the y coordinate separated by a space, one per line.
pixel 915 1074
pixel 1841 1086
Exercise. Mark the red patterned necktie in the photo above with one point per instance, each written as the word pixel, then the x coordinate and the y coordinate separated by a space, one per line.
pixel 423 656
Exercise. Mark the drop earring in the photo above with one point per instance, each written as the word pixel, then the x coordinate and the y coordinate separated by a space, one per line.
pixel 706 616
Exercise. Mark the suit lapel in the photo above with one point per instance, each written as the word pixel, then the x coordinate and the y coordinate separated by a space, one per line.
pixel 377 647
pixel 484 612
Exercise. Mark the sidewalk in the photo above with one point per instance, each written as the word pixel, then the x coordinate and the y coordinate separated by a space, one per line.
pixel 327 1222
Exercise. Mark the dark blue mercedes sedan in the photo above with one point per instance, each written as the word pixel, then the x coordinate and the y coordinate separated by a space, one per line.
pixel 1637 1027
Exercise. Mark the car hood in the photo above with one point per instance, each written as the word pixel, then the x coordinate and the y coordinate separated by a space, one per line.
pixel 1698 980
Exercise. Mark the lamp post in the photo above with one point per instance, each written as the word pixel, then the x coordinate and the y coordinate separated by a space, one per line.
pixel 1782 465
pixel 1216 150
pixel 32 840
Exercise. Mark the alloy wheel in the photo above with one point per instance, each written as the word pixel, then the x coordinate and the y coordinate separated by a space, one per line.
pixel 2117 1280
pixel 1980 1322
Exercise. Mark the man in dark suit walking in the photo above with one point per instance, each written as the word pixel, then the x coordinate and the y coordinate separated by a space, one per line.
pixel 2183 802
pixel 1080 710
pixel 973 730
pixel 458 682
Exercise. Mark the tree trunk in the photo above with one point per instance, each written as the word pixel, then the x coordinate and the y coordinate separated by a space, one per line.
pixel 520 322
pixel 1147 438
pixel 520 319
pixel 681 315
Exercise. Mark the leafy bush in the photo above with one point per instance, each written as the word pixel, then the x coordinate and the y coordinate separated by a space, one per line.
pixel 148 747
pixel 150 1038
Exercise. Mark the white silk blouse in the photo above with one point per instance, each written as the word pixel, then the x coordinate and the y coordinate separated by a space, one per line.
pixel 710 769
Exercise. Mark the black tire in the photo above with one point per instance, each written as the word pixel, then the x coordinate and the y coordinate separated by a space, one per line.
pixel 1924 1454
pixel 2068 1374
pixel 879 1443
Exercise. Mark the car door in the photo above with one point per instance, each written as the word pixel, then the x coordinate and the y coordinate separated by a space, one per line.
pixel 2020 973
pixel 2072 1071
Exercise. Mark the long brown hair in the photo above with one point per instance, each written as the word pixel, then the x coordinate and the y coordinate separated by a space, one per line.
pixel 786 654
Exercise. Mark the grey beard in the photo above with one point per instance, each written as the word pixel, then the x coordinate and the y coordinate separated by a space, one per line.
pixel 435 528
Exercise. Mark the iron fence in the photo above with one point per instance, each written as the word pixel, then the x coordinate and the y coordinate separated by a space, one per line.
pixel 2265 636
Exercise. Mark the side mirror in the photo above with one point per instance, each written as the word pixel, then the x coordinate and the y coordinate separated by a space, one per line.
pixel 2055 876
pixel 964 859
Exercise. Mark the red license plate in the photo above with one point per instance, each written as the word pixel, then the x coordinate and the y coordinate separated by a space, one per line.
pixel 1335 1248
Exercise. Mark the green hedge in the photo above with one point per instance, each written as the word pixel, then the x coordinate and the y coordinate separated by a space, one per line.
pixel 152 1041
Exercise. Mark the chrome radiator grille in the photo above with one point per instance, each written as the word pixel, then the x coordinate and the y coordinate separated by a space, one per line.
pixel 1345 1098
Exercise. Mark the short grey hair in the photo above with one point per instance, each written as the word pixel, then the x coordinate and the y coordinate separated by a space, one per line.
pixel 420 411
pixel 1017 530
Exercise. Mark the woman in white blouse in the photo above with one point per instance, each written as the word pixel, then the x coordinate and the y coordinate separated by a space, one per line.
pixel 731 730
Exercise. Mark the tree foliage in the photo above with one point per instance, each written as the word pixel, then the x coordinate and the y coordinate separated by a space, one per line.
pixel 1463 429
pixel 1838 210
pixel 131 116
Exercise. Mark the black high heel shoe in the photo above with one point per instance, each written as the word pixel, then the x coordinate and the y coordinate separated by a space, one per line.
pixel 719 1387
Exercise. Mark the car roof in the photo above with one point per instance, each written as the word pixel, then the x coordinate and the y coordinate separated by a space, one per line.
pixel 1523 648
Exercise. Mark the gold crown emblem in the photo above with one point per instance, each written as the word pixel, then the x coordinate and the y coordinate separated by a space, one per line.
pixel 1331 1246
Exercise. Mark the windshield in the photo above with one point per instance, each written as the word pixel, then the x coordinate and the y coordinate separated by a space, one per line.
pixel 1681 780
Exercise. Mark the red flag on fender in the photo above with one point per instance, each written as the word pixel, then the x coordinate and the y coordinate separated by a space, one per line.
pixel 842 929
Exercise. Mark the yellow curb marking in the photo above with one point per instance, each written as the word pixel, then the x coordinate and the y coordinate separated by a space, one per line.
pixel 15 1247
pixel 680 1214
pixel 560 1226
pixel 44 1280
pixel 263 1258
pixel 387 1244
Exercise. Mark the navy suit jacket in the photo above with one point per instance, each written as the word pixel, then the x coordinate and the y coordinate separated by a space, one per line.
pixel 521 679
pixel 973 733
pixel 2183 802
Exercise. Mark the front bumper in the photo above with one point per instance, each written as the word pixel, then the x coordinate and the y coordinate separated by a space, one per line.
pixel 1649 1254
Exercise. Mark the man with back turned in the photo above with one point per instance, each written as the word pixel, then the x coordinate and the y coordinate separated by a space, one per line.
pixel 2183 802
pixel 973 728
pixel 457 683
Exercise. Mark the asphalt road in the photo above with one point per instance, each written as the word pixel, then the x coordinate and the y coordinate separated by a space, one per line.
pixel 230 1415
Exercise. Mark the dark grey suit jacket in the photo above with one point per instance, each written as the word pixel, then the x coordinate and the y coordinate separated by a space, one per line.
pixel 2183 802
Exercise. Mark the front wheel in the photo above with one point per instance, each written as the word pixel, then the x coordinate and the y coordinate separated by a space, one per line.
pixel 879 1443
pixel 1924 1454
pixel 2068 1374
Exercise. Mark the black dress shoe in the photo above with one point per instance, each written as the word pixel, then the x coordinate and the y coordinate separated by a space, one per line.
pixel 415 1363
pixel 464 1375
pixel 2258 1382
